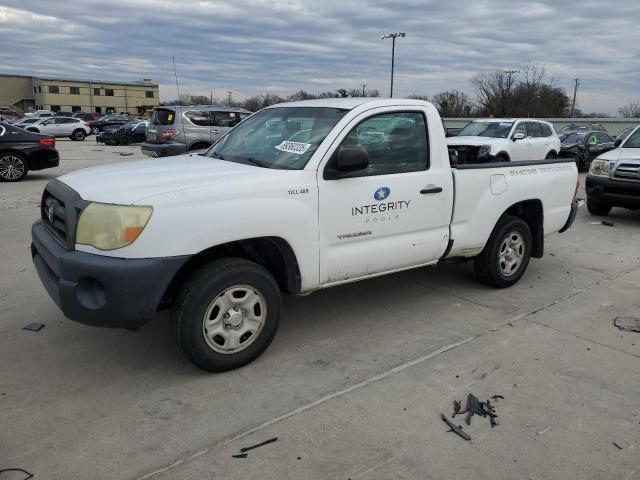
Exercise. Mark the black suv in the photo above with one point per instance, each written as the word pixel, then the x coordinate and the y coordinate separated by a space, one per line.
pixel 108 120
pixel 585 145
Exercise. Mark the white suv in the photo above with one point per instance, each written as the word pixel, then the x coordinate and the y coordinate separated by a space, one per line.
pixel 497 139
pixel 74 128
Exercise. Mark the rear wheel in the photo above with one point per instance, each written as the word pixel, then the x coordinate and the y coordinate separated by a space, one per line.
pixel 506 255
pixel 123 140
pixel 13 167
pixel 597 208
pixel 227 314
pixel 79 135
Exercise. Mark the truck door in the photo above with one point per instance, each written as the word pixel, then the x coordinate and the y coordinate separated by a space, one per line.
pixel 393 214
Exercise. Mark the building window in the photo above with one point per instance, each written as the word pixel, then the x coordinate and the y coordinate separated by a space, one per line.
pixel 34 89
pixel 54 89
pixel 74 90
pixel 40 88
pixel 108 92
pixel 98 109
pixel 55 108
pixel 76 108
pixel 149 94
pixel 96 91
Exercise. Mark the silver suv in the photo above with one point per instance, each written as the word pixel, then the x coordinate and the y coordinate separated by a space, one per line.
pixel 180 129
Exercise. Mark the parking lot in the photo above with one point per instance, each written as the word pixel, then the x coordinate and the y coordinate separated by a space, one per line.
pixel 354 383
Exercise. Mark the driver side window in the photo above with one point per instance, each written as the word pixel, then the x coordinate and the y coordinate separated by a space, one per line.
pixel 395 143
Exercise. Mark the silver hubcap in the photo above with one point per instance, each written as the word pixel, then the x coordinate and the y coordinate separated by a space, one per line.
pixel 511 254
pixel 234 319
pixel 11 167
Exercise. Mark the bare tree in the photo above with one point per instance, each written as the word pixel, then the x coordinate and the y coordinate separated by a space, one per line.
pixel 494 91
pixel 301 95
pixel 453 103
pixel 630 110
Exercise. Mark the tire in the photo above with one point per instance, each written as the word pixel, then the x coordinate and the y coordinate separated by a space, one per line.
pixel 597 208
pixel 95 130
pixel 123 140
pixel 79 135
pixel 13 167
pixel 506 255
pixel 551 156
pixel 210 294
pixel 501 157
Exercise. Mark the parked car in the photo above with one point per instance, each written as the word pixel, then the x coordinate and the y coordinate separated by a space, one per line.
pixel 297 197
pixel 132 132
pixel 62 113
pixel 176 130
pixel 584 146
pixel 576 127
pixel 614 177
pixel 21 151
pixel 108 120
pixel 88 116
pixel 74 128
pixel 503 140
pixel 39 114
pixel 9 115
pixel 25 122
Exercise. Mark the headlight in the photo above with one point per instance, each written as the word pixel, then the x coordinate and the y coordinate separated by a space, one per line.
pixel 599 168
pixel 484 151
pixel 108 227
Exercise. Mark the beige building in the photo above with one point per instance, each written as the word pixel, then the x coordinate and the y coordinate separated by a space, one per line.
pixel 25 93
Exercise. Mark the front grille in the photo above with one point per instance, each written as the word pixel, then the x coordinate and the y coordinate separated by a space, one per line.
pixel 59 210
pixel 628 171
pixel 463 154
pixel 54 215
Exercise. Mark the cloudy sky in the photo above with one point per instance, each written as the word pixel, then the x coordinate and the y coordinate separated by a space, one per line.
pixel 279 46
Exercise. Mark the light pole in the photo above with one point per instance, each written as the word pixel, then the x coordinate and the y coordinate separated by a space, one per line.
pixel 393 37
pixel 509 72
pixel 229 101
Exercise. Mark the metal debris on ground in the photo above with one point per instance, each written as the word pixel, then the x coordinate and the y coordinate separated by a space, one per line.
pixel 544 431
pixel 243 450
pixel 29 475
pixel 34 327
pixel 455 428
pixel 628 324
pixel 603 222
pixel 617 446
pixel 473 407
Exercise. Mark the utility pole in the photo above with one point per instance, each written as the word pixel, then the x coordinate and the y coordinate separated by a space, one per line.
pixel 229 101
pixel 576 84
pixel 363 87
pixel 393 37
pixel 511 73
pixel 211 98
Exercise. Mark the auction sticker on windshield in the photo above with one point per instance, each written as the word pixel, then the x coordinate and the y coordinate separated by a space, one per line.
pixel 293 147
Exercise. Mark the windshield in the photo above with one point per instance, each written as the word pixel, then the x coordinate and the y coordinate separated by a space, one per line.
pixel 486 129
pixel 633 140
pixel 280 137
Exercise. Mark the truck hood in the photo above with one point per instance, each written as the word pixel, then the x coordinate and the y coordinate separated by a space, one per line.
pixel 475 141
pixel 621 154
pixel 131 182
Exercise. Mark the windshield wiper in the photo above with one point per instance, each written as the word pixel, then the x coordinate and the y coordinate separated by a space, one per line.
pixel 257 162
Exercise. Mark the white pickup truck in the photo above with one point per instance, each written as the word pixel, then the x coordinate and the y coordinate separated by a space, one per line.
pixel 297 197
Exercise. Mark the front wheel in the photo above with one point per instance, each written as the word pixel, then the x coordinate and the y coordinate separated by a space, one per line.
pixel 506 255
pixel 123 140
pixel 597 208
pixel 227 314
pixel 95 130
pixel 551 156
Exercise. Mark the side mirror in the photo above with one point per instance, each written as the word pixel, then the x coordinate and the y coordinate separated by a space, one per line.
pixel 352 159
pixel 518 136
pixel 618 142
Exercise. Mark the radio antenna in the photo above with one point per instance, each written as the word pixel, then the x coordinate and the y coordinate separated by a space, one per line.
pixel 184 133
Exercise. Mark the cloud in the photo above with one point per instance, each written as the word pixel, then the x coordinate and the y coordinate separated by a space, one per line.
pixel 253 46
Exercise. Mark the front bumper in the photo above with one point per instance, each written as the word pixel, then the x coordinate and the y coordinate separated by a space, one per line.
pixel 98 290
pixel 617 193
pixel 163 149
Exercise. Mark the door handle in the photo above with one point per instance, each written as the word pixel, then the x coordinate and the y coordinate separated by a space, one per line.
pixel 426 191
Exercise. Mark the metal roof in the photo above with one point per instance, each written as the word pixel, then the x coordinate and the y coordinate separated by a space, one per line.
pixel 137 83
